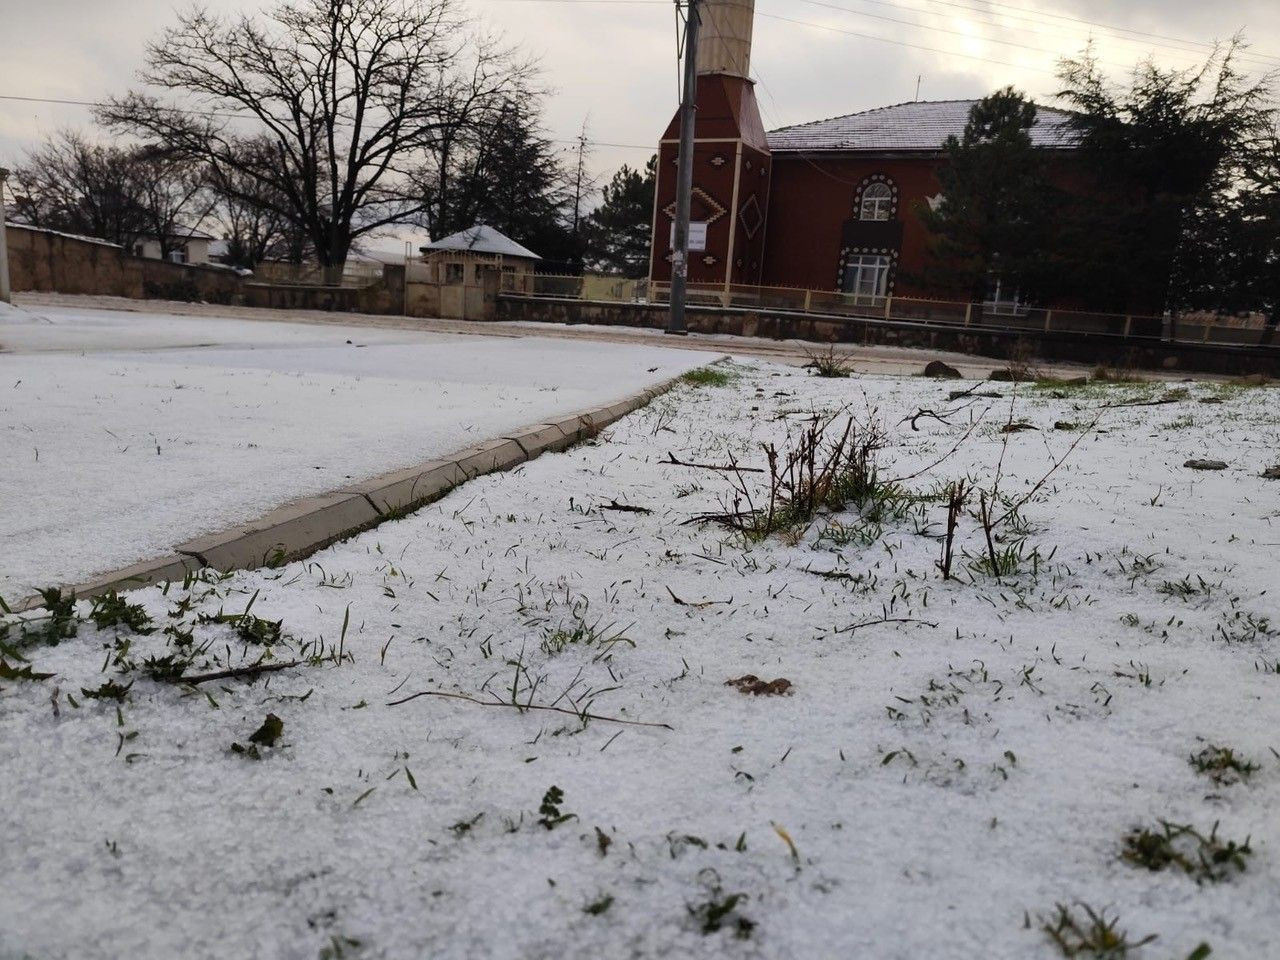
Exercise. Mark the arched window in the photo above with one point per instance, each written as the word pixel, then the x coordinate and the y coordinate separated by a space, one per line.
pixel 877 202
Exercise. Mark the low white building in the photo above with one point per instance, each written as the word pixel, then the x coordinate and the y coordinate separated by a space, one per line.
pixel 185 246
pixel 457 258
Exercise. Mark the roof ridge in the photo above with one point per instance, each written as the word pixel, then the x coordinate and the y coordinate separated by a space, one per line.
pixel 859 113
pixel 1040 107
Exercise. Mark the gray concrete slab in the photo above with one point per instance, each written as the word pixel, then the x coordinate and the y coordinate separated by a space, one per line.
pixel 539 439
pixel 491 457
pixel 402 490
pixel 287 533
pixel 161 570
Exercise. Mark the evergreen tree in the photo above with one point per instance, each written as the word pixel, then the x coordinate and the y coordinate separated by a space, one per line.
pixel 1165 218
pixel 618 231
pixel 991 220
pixel 510 176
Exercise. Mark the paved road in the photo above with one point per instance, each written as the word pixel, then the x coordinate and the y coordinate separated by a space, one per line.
pixel 863 359
pixel 123 434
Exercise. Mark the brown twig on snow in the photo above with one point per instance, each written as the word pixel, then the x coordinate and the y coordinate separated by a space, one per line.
pixel 924 413
pixel 237 672
pixel 957 493
pixel 671 461
pixel 696 604
pixel 949 454
pixel 871 623
pixel 1052 470
pixel 580 714
pixel 624 507
pixel 1172 397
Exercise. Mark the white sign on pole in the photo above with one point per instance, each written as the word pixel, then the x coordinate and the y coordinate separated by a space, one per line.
pixel 697 236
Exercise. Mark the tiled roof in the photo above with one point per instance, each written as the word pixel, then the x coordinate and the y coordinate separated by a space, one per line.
pixel 920 126
pixel 482 239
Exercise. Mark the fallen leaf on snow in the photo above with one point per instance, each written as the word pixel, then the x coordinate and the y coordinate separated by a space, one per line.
pixel 750 683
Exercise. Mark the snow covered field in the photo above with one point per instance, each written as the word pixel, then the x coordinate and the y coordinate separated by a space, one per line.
pixel 123 434
pixel 952 760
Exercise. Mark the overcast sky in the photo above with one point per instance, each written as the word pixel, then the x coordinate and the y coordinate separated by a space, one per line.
pixel 612 64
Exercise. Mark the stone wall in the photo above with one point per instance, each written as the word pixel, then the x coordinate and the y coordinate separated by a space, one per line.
pixel 386 297
pixel 54 262
pixel 48 261
pixel 1115 351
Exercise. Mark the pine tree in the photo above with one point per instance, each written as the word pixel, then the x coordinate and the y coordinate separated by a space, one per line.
pixel 1169 222
pixel 991 220
pixel 618 231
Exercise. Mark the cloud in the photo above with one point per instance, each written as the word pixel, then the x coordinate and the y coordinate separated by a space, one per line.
pixel 613 65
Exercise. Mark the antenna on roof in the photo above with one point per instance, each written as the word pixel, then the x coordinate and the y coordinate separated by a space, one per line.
pixel 919 77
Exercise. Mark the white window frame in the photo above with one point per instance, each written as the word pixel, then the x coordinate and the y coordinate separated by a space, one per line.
pixel 877 202
pixel 866 276
pixel 1001 303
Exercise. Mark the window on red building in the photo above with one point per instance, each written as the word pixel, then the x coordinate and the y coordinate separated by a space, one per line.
pixel 866 275
pixel 877 202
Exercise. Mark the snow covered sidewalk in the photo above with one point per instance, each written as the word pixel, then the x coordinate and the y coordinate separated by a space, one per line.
pixel 124 434
pixel 507 728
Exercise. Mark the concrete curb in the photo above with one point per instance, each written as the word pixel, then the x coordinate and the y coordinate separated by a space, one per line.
pixel 301 528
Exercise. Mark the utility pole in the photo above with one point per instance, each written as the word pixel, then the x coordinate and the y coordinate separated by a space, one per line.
pixel 684 172
pixel 5 293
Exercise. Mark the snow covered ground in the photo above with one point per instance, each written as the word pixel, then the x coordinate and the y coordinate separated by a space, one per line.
pixel 123 434
pixel 952 760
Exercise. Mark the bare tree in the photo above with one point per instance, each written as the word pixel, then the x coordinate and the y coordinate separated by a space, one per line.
pixel 349 94
pixel 72 185
pixel 174 199
pixel 119 194
pixel 251 215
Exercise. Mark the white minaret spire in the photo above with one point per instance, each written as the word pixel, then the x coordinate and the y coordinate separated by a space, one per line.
pixel 725 44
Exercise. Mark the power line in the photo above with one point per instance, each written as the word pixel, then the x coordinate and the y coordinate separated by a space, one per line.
pixel 901 43
pixel 1022 13
pixel 1194 54
pixel 947 30
pixel 62 101
pixel 101 105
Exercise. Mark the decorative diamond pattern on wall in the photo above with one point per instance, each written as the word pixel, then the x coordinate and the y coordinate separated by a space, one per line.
pixel 750 217
pixel 705 207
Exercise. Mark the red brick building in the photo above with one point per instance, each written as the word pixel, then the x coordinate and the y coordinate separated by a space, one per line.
pixel 828 205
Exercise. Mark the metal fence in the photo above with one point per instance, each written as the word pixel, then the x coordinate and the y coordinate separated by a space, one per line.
pixel 355 274
pixel 1197 328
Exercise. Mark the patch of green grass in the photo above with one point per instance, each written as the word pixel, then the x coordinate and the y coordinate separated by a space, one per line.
pixel 1010 557
pixel 579 631
pixel 720 910
pixel 265 736
pixel 112 610
pixel 57 624
pixel 108 690
pixel 1185 588
pixel 1241 626
pixel 166 669
pixel 1092 936
pixel 1223 765
pixel 249 628
pixel 550 814
pixel 8 672
pixel 1206 859
pixel 708 377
